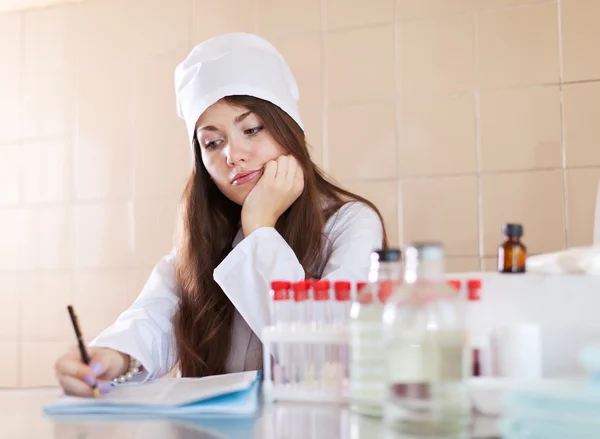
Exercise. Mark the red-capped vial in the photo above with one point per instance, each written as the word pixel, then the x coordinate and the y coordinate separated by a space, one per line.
pixel 321 314
pixel 455 284
pixel 300 306
pixel 280 302
pixel 474 289
pixel 343 302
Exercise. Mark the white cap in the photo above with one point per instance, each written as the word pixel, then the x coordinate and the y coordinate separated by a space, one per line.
pixel 233 64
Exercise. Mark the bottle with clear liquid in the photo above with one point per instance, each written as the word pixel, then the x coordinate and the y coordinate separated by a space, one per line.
pixel 367 369
pixel 426 350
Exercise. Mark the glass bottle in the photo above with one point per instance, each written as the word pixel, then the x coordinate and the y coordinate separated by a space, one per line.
pixel 367 371
pixel 426 349
pixel 512 253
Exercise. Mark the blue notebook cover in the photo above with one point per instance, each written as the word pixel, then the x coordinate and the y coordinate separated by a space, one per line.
pixel 243 401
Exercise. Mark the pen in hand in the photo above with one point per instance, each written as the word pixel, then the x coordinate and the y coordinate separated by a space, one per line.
pixel 82 348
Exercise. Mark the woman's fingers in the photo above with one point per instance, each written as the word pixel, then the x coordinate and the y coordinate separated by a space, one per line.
pixel 76 387
pixel 67 365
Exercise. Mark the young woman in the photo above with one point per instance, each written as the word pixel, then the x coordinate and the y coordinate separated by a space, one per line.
pixel 256 209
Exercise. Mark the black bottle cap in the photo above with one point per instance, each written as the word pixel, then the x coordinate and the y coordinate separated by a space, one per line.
pixel 388 255
pixel 512 230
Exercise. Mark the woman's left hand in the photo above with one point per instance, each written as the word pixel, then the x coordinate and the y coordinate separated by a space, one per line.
pixel 280 185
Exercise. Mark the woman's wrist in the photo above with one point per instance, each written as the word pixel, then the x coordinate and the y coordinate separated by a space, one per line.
pixel 126 360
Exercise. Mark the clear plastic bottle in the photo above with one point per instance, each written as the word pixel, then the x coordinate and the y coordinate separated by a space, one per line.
pixel 367 367
pixel 426 350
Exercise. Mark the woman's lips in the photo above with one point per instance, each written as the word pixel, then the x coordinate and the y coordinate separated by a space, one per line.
pixel 247 177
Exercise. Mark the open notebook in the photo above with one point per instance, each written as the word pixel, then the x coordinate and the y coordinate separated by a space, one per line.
pixel 233 394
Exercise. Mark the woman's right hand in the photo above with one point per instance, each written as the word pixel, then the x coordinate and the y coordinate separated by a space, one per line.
pixel 76 378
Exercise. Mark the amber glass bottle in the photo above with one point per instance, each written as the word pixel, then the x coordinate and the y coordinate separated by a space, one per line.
pixel 512 253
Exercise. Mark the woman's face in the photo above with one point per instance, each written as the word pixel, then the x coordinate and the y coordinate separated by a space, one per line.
pixel 235 146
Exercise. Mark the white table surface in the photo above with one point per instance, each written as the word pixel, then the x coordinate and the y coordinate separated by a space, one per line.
pixel 21 417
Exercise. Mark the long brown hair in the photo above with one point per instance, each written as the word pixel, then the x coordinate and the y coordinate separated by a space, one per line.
pixel 210 222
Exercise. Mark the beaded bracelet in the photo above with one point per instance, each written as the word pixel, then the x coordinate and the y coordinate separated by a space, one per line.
pixel 135 367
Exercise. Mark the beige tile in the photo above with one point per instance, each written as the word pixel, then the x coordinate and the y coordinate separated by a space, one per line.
pixel 158 28
pixel 162 154
pixel 48 39
pixel 580 36
pixel 104 235
pixel 10 74
pixel 423 61
pixel 214 18
pixel 459 264
pixel 9 367
pixel 17 235
pixel 359 65
pixel 54 237
pixel 341 13
pixel 520 129
pixel 103 158
pixel 582 192
pixel 367 151
pixel 100 297
pixel 10 298
pixel 288 17
pixel 45 316
pixel 10 174
pixel 534 199
pixel 518 46
pixel 436 135
pixel 582 132
pixel 409 9
pixel 46 171
pixel 46 105
pixel 490 263
pixel 37 362
pixel 154 229
pixel 303 54
pixel 384 194
pixel 114 41
pixel 442 209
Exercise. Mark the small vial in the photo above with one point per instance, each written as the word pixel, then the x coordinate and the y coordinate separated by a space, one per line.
pixel 280 315
pixel 321 353
pixel 455 284
pixel 342 302
pixel 477 342
pixel 512 253
pixel 342 316
pixel 321 306
pixel 301 364
pixel 280 295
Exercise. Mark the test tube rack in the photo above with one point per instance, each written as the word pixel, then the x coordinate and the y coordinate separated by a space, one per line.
pixel 306 363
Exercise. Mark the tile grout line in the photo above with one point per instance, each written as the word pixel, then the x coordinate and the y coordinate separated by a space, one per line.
pixel 398 180
pixel 478 147
pixel 562 125
pixel 324 91
pixel 19 383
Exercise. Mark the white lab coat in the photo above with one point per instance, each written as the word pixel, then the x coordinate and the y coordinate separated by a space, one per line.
pixel 145 330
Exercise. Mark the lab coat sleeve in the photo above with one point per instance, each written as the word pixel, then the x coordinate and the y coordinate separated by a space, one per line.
pixel 245 275
pixel 145 330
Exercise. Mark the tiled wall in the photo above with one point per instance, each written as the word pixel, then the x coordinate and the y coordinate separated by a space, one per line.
pixel 454 116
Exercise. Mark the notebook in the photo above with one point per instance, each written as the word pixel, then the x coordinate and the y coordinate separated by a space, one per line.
pixel 233 394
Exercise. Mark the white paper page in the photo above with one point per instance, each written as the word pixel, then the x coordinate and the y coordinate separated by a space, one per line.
pixel 169 391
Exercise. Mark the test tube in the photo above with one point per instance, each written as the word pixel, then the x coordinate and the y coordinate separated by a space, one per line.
pixel 322 353
pixel 343 303
pixel 280 303
pixel 279 319
pixel 301 368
